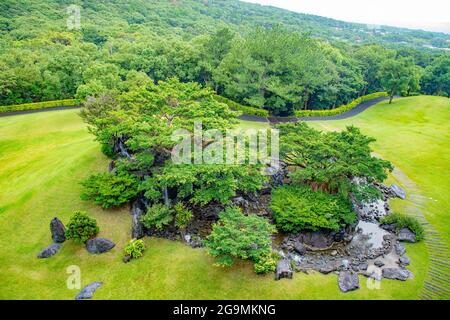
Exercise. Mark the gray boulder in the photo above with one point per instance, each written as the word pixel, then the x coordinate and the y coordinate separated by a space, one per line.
pixel 399 192
pixel 396 274
pixel 348 281
pixel 379 263
pixel 404 261
pixel 299 248
pixel 137 228
pixel 284 270
pixel 88 291
pixel 51 250
pixel 99 245
pixel 58 230
pixel 406 235
pixel 400 249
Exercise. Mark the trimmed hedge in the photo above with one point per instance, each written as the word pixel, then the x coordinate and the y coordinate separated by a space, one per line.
pixel 341 109
pixel 244 109
pixel 40 105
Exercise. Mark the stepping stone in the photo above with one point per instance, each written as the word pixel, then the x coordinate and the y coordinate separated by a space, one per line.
pixel 51 250
pixel 88 291
pixel 348 281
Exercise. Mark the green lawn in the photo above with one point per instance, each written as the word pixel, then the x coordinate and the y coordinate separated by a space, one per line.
pixel 44 156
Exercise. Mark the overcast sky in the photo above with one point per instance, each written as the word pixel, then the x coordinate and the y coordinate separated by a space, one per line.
pixel 433 15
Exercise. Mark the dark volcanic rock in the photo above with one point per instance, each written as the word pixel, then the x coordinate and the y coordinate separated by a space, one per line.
pixel 99 245
pixel 317 240
pixel 400 249
pixel 328 268
pixel 137 228
pixel 58 230
pixel 396 274
pixel 51 250
pixel 406 235
pixel 379 263
pixel 299 248
pixel 404 261
pixel 88 291
pixel 348 281
pixel 283 270
pixel 389 227
pixel 398 192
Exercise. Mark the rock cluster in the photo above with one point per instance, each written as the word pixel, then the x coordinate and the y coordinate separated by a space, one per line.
pixel 58 233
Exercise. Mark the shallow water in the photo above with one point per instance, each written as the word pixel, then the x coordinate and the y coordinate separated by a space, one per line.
pixel 371 233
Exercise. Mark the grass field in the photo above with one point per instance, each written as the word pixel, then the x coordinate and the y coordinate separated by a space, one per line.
pixel 44 156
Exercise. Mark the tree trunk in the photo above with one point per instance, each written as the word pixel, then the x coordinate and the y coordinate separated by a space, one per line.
pixel 392 95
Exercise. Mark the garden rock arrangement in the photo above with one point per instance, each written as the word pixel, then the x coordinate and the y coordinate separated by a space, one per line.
pixel 58 233
pixel 366 249
pixel 88 291
pixel 99 245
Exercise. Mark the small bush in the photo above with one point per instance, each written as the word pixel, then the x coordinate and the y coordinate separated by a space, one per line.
pixel 40 105
pixel 110 189
pixel 341 109
pixel 236 235
pixel 403 221
pixel 298 208
pixel 266 264
pixel 158 216
pixel 135 248
pixel 182 215
pixel 81 227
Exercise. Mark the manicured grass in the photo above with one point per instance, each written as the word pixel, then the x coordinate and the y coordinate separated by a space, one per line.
pixel 44 156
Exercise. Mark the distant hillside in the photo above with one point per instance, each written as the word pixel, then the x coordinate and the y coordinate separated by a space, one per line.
pixel 193 17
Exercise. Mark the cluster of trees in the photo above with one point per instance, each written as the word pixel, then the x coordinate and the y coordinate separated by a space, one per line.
pixel 272 67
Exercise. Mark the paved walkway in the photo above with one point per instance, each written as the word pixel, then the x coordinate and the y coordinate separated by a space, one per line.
pixel 348 114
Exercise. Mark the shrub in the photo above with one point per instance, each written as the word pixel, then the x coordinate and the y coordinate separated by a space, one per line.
pixel 135 248
pixel 182 215
pixel 40 105
pixel 266 264
pixel 81 227
pixel 341 109
pixel 298 208
pixel 238 236
pixel 158 216
pixel 244 109
pixel 110 189
pixel 403 221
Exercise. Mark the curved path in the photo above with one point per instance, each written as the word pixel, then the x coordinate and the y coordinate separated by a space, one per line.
pixel 437 280
pixel 348 114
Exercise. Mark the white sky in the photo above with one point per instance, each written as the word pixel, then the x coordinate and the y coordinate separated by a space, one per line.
pixel 433 15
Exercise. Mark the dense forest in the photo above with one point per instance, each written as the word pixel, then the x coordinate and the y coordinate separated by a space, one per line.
pixel 258 56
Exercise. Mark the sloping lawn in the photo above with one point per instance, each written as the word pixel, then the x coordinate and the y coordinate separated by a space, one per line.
pixel 43 157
